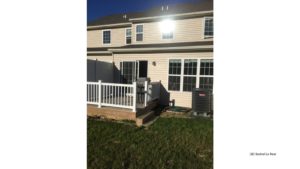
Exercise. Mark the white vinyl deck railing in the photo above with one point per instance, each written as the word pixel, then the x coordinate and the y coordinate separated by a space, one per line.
pixel 122 95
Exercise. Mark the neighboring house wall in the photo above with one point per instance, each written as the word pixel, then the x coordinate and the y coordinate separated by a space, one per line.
pixel 96 69
pixel 159 72
pixel 94 38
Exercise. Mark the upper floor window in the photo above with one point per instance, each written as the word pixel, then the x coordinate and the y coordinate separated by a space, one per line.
pixel 139 32
pixel 106 37
pixel 209 27
pixel 167 28
pixel 128 35
pixel 167 35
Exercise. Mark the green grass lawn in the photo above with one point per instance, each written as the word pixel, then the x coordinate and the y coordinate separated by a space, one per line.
pixel 168 143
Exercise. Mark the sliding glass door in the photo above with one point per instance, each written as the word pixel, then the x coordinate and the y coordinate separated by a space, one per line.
pixel 131 70
pixel 128 72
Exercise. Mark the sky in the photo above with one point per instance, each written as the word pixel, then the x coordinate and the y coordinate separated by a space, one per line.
pixel 99 8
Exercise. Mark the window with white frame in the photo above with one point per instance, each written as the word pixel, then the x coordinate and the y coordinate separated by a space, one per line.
pixel 209 27
pixel 190 74
pixel 139 32
pixel 187 74
pixel 106 37
pixel 206 73
pixel 167 35
pixel 174 74
pixel 128 35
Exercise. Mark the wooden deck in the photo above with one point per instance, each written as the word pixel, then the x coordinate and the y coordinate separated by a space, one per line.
pixel 122 113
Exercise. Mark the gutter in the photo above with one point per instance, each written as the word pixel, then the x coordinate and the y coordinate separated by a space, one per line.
pixel 109 25
pixel 99 52
pixel 207 47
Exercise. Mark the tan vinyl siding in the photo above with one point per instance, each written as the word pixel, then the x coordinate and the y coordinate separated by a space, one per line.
pixel 186 30
pixel 94 38
pixel 160 72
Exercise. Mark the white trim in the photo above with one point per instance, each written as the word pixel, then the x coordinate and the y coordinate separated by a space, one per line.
pixel 181 75
pixel 174 15
pixel 163 48
pixel 134 97
pixel 109 37
pixel 109 25
pixel 138 33
pixel 203 31
pixel 198 73
pixel 126 36
pixel 117 84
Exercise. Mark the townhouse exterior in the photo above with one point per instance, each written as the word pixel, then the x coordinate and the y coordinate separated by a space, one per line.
pixel 172 44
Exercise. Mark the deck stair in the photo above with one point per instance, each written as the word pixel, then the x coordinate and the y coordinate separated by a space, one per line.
pixel 144 118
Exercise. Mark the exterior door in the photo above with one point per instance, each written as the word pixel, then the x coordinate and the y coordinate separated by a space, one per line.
pixel 143 69
pixel 128 71
pixel 131 70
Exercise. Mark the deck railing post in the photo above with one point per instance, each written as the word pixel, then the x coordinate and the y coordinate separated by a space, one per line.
pixel 99 93
pixel 134 97
pixel 146 93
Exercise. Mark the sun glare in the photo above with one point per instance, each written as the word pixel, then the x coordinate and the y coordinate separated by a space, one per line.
pixel 167 26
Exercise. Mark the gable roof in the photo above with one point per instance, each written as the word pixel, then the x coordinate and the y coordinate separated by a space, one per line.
pixel 157 11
